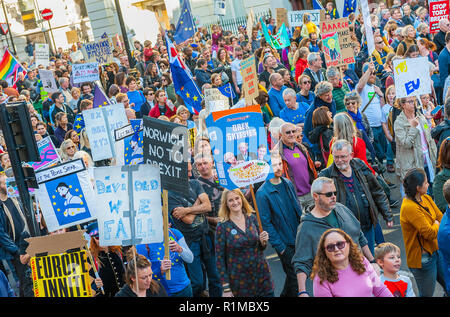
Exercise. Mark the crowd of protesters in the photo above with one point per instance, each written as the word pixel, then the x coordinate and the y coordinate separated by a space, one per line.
pixel 334 135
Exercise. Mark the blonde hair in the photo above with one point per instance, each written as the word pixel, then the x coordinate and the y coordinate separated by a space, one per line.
pixel 224 211
pixel 384 248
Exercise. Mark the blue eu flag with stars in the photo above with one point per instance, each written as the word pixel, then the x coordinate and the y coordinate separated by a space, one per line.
pixel 183 82
pixel 227 91
pixel 186 27
pixel 349 7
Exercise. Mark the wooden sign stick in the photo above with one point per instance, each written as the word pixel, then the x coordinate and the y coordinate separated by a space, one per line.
pixel 256 208
pixel 92 260
pixel 166 229
pixel 135 269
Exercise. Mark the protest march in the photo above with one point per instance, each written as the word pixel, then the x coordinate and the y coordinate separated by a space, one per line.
pixel 306 154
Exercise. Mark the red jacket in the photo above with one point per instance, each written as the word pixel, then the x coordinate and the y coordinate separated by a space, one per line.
pixel 155 113
pixel 300 67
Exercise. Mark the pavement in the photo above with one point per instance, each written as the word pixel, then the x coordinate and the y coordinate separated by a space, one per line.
pixel 393 235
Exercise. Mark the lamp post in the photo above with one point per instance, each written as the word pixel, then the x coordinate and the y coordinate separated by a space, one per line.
pixel 10 33
pixel 124 34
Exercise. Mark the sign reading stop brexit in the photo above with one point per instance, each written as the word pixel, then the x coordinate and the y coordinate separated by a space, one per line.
pixel 166 145
pixel 239 145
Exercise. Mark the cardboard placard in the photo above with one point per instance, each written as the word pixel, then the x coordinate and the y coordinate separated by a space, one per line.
pixel 166 144
pixel 41 54
pixel 61 275
pixel 412 77
pixel 439 10
pixel 282 17
pixel 100 52
pixel 338 48
pixel 100 125
pixel 215 100
pixel 249 79
pixel 48 153
pixel 72 37
pixel 87 72
pixel 295 18
pixel 130 202
pixel 65 195
pixel 56 243
pixel 48 81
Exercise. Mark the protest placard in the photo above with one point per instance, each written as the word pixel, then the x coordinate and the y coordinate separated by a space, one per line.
pixel 439 10
pixel 412 77
pixel 215 100
pixel 48 153
pixel 282 17
pixel 250 22
pixel 166 144
pixel 12 190
pixel 130 202
pixel 87 72
pixel 368 30
pixel 100 52
pixel 239 146
pixel 101 138
pixel 295 18
pixel 129 145
pixel 72 37
pixel 77 56
pixel 48 81
pixel 339 42
pixel 61 275
pixel 41 54
pixel 249 79
pixel 65 195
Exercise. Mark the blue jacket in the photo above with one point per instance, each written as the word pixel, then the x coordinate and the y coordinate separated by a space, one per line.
pixel 5 287
pixel 276 101
pixel 444 60
pixel 279 222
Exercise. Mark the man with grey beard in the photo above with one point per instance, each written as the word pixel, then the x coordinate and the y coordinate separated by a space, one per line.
pixel 358 189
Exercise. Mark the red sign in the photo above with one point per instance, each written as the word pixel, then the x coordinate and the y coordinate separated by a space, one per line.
pixel 439 10
pixel 47 14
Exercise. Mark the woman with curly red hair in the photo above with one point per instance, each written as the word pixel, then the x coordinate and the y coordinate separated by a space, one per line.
pixel 340 269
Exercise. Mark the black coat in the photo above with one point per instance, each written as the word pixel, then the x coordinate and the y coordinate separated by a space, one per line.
pixel 126 291
pixel 111 270
pixel 375 195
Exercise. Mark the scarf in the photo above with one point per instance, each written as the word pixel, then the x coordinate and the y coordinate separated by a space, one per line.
pixel 357 118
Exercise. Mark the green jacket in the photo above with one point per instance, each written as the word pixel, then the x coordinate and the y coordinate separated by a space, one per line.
pixel 338 96
pixel 438 184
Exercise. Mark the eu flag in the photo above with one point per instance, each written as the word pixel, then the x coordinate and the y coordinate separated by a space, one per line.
pixel 183 82
pixel 227 91
pixel 100 99
pixel 317 5
pixel 349 7
pixel 185 28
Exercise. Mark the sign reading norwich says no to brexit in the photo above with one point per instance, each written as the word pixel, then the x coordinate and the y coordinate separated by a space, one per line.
pixel 166 145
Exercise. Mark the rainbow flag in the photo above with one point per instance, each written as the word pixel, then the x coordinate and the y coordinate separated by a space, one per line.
pixel 10 67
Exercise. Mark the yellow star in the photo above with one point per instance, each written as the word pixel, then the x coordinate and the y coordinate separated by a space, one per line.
pixel 195 98
pixel 187 95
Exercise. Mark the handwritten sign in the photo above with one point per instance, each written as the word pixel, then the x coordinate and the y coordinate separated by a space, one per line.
pixel 129 145
pixel 249 79
pixel 100 125
pixel 412 77
pixel 166 144
pixel 66 195
pixel 48 80
pixel 87 72
pixel 130 202
pixel 282 17
pixel 344 44
pixel 215 100
pixel 100 52
pixel 49 154
pixel 295 18
pixel 439 10
pixel 41 54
